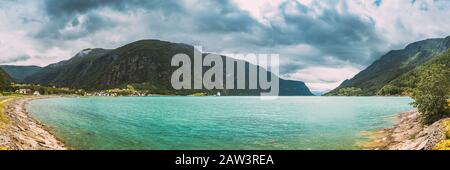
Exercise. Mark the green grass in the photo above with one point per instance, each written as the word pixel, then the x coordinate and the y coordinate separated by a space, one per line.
pixel 198 94
pixel 4 120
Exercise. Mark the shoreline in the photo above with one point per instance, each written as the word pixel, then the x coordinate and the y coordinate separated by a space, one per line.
pixel 23 132
pixel 407 133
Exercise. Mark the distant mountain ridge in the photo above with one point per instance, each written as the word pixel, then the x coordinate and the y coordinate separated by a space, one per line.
pixel 391 67
pixel 143 64
pixel 19 73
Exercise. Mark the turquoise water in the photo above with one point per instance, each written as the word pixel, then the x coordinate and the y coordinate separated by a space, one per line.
pixel 216 122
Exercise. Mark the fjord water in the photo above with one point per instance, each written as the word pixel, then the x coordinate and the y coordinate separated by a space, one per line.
pixel 216 122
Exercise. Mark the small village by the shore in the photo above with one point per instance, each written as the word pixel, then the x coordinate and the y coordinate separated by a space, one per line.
pixel 39 90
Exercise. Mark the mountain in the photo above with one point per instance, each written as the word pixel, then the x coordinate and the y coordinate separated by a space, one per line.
pixel 18 73
pixel 391 67
pixel 294 88
pixel 145 64
pixel 5 79
pixel 404 84
pixel 66 72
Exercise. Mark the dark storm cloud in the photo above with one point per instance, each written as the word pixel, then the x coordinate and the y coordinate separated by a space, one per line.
pixel 222 17
pixel 292 66
pixel 343 35
pixel 91 24
pixel 64 12
pixel 206 17
pixel 58 8
pixel 337 34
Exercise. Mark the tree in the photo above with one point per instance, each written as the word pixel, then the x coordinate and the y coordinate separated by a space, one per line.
pixel 390 90
pixel 131 88
pixel 432 93
pixel 5 80
pixel 350 91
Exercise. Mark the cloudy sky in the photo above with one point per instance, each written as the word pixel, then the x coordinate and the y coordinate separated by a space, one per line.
pixel 319 42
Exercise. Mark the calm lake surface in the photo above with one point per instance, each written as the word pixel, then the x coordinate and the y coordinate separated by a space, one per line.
pixel 216 122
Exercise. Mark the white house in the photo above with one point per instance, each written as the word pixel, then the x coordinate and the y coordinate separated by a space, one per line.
pixel 36 93
pixel 23 91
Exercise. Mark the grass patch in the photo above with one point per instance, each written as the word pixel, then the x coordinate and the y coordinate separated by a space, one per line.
pixel 412 137
pixel 3 103
pixel 447 128
pixel 198 94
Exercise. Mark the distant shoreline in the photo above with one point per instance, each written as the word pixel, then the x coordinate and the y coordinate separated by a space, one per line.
pixel 23 132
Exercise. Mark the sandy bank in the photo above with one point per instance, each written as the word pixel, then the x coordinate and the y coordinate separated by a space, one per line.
pixel 22 132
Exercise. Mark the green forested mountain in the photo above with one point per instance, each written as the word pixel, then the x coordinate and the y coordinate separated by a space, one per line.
pixel 145 64
pixel 66 72
pixel 5 79
pixel 393 73
pixel 404 84
pixel 18 73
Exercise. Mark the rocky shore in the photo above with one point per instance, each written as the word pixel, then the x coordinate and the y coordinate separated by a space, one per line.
pixel 407 134
pixel 22 132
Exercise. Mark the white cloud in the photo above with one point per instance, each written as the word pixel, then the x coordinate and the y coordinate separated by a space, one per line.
pixel 323 78
pixel 401 21
pixel 263 11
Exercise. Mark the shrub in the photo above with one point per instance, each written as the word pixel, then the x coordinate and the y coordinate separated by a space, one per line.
pixel 389 89
pixel 350 91
pixel 431 93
